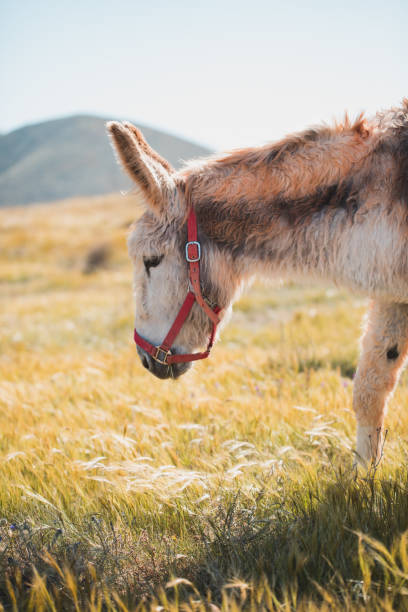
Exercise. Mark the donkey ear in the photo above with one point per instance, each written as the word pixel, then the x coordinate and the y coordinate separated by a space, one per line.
pixel 152 173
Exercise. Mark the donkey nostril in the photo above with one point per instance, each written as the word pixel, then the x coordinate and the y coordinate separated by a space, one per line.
pixel 145 362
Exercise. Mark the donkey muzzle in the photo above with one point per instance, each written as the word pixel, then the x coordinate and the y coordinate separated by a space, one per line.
pixel 162 370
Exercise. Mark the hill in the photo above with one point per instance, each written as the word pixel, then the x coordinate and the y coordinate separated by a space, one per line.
pixel 72 157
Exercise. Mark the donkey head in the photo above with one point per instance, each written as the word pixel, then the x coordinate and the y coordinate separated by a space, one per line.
pixel 156 247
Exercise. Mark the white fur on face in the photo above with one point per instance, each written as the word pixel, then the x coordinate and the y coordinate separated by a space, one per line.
pixel 158 296
pixel 160 293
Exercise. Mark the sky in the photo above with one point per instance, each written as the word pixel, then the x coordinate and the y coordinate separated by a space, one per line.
pixel 221 73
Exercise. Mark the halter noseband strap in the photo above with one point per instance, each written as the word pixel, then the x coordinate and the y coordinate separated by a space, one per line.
pixel 162 353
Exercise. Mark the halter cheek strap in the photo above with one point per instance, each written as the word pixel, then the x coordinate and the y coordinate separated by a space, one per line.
pixel 162 353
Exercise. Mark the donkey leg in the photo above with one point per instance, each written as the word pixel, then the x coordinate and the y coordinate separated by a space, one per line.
pixel 384 347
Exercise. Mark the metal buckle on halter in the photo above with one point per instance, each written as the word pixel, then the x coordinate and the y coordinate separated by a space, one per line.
pixel 198 245
pixel 157 356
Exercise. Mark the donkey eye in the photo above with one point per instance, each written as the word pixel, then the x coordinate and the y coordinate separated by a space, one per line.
pixel 152 262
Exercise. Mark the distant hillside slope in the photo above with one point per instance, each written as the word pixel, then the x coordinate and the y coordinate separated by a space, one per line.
pixel 72 157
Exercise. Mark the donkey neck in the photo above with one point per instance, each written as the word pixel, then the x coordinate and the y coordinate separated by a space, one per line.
pixel 256 230
pixel 291 214
pixel 246 197
pixel 329 229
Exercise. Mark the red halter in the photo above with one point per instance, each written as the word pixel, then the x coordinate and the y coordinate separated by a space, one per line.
pixel 162 353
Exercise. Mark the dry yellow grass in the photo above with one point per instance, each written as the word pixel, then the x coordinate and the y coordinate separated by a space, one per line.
pixel 232 485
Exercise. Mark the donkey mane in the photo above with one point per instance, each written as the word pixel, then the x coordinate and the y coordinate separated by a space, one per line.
pixel 293 143
pixel 293 155
pixel 287 183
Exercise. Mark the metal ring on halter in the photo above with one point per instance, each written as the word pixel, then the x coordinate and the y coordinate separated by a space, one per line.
pixel 165 353
pixel 198 257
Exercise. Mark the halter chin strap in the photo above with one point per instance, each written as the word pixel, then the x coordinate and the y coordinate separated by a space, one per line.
pixel 162 353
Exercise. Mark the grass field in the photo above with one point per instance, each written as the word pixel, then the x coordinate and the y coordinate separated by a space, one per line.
pixel 229 489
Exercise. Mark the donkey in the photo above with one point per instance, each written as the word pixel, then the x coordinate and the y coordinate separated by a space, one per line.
pixel 330 203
